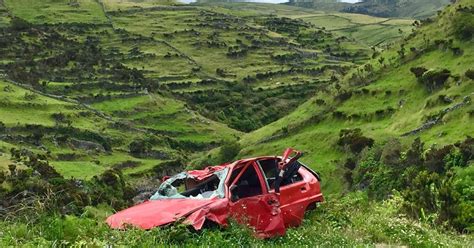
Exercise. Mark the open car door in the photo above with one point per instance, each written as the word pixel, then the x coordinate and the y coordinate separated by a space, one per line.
pixel 252 204
pixel 287 167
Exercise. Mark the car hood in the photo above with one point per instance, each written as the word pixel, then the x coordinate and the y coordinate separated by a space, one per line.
pixel 155 213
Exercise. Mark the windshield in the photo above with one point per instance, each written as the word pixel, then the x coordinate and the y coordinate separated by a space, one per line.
pixel 184 185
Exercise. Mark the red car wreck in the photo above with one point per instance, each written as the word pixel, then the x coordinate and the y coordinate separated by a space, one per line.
pixel 269 193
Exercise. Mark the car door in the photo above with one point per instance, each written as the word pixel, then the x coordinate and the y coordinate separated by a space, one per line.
pixel 294 198
pixel 251 203
pixel 294 191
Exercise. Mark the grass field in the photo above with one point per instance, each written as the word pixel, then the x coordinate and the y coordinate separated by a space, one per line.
pixel 57 11
pixel 368 30
pixel 397 89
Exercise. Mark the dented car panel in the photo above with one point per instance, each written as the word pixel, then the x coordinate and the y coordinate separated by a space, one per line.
pixel 269 194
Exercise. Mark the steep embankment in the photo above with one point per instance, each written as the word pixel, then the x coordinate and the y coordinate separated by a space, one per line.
pixel 385 99
pixel 165 81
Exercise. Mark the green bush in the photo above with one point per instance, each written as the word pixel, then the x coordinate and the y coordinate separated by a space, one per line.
pixel 354 140
pixel 228 151
pixel 463 25
pixel 470 74
pixel 434 78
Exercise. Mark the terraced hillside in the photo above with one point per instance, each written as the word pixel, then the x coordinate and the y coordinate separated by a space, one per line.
pixel 176 79
pixel 386 99
pixel 417 9
pixel 101 99
pixel 367 30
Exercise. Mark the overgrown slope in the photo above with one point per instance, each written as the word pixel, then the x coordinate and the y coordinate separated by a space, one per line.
pixel 418 9
pixel 93 113
pixel 172 87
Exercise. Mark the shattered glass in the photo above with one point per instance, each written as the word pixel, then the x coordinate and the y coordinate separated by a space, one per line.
pixel 178 186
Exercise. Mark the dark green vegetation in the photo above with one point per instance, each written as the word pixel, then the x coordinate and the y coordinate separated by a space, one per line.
pixel 367 31
pixel 88 91
pixel 98 99
pixel 384 8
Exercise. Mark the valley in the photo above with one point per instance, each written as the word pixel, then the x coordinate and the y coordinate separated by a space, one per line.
pixel 100 99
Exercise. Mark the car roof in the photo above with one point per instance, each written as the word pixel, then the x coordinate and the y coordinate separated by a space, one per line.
pixel 209 170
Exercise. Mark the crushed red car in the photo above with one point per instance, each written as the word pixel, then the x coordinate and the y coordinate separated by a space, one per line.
pixel 269 193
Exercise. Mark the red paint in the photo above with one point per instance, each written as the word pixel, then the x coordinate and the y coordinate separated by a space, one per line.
pixel 155 213
pixel 268 213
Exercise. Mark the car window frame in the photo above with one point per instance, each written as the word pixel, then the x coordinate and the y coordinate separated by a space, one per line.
pixel 269 189
pixel 261 178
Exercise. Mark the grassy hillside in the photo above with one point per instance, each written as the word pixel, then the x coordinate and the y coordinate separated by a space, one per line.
pixel 417 9
pixel 164 80
pixel 181 81
pixel 366 30
pixel 383 99
pixel 57 11
pixel 401 8
pixel 100 99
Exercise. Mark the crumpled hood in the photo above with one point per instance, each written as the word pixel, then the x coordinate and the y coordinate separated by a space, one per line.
pixel 155 213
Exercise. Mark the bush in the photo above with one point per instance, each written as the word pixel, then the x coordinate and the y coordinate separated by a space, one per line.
pixel 418 71
pixel 140 147
pixel 229 151
pixel 470 74
pixel 391 153
pixel 2 127
pixel 434 78
pixel 463 25
pixel 354 139
pixel 19 24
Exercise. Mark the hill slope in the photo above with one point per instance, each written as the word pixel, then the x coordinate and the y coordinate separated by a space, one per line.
pixel 384 99
pixel 401 8
pixel 92 114
pixel 180 85
pixel 417 9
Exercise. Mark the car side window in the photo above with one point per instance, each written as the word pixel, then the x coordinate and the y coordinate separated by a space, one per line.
pixel 270 170
pixel 247 185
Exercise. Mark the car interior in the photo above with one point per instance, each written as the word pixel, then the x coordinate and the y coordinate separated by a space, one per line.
pixel 207 187
pixel 270 170
pixel 247 185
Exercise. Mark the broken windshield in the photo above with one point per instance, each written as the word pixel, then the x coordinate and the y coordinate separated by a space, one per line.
pixel 184 185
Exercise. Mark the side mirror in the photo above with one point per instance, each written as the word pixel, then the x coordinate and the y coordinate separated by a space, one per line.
pixel 233 194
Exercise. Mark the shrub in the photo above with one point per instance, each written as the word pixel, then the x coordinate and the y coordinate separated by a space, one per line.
pixel 140 147
pixel 470 74
pixel 434 78
pixel 2 127
pixel 418 71
pixel 344 96
pixel 463 25
pixel 19 24
pixel 354 139
pixel 229 151
pixel 391 153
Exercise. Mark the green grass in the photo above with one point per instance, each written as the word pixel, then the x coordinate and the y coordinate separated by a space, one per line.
pixel 57 11
pixel 113 5
pixel 367 30
pixel 4 162
pixel 351 221
pixel 78 169
pixel 318 139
